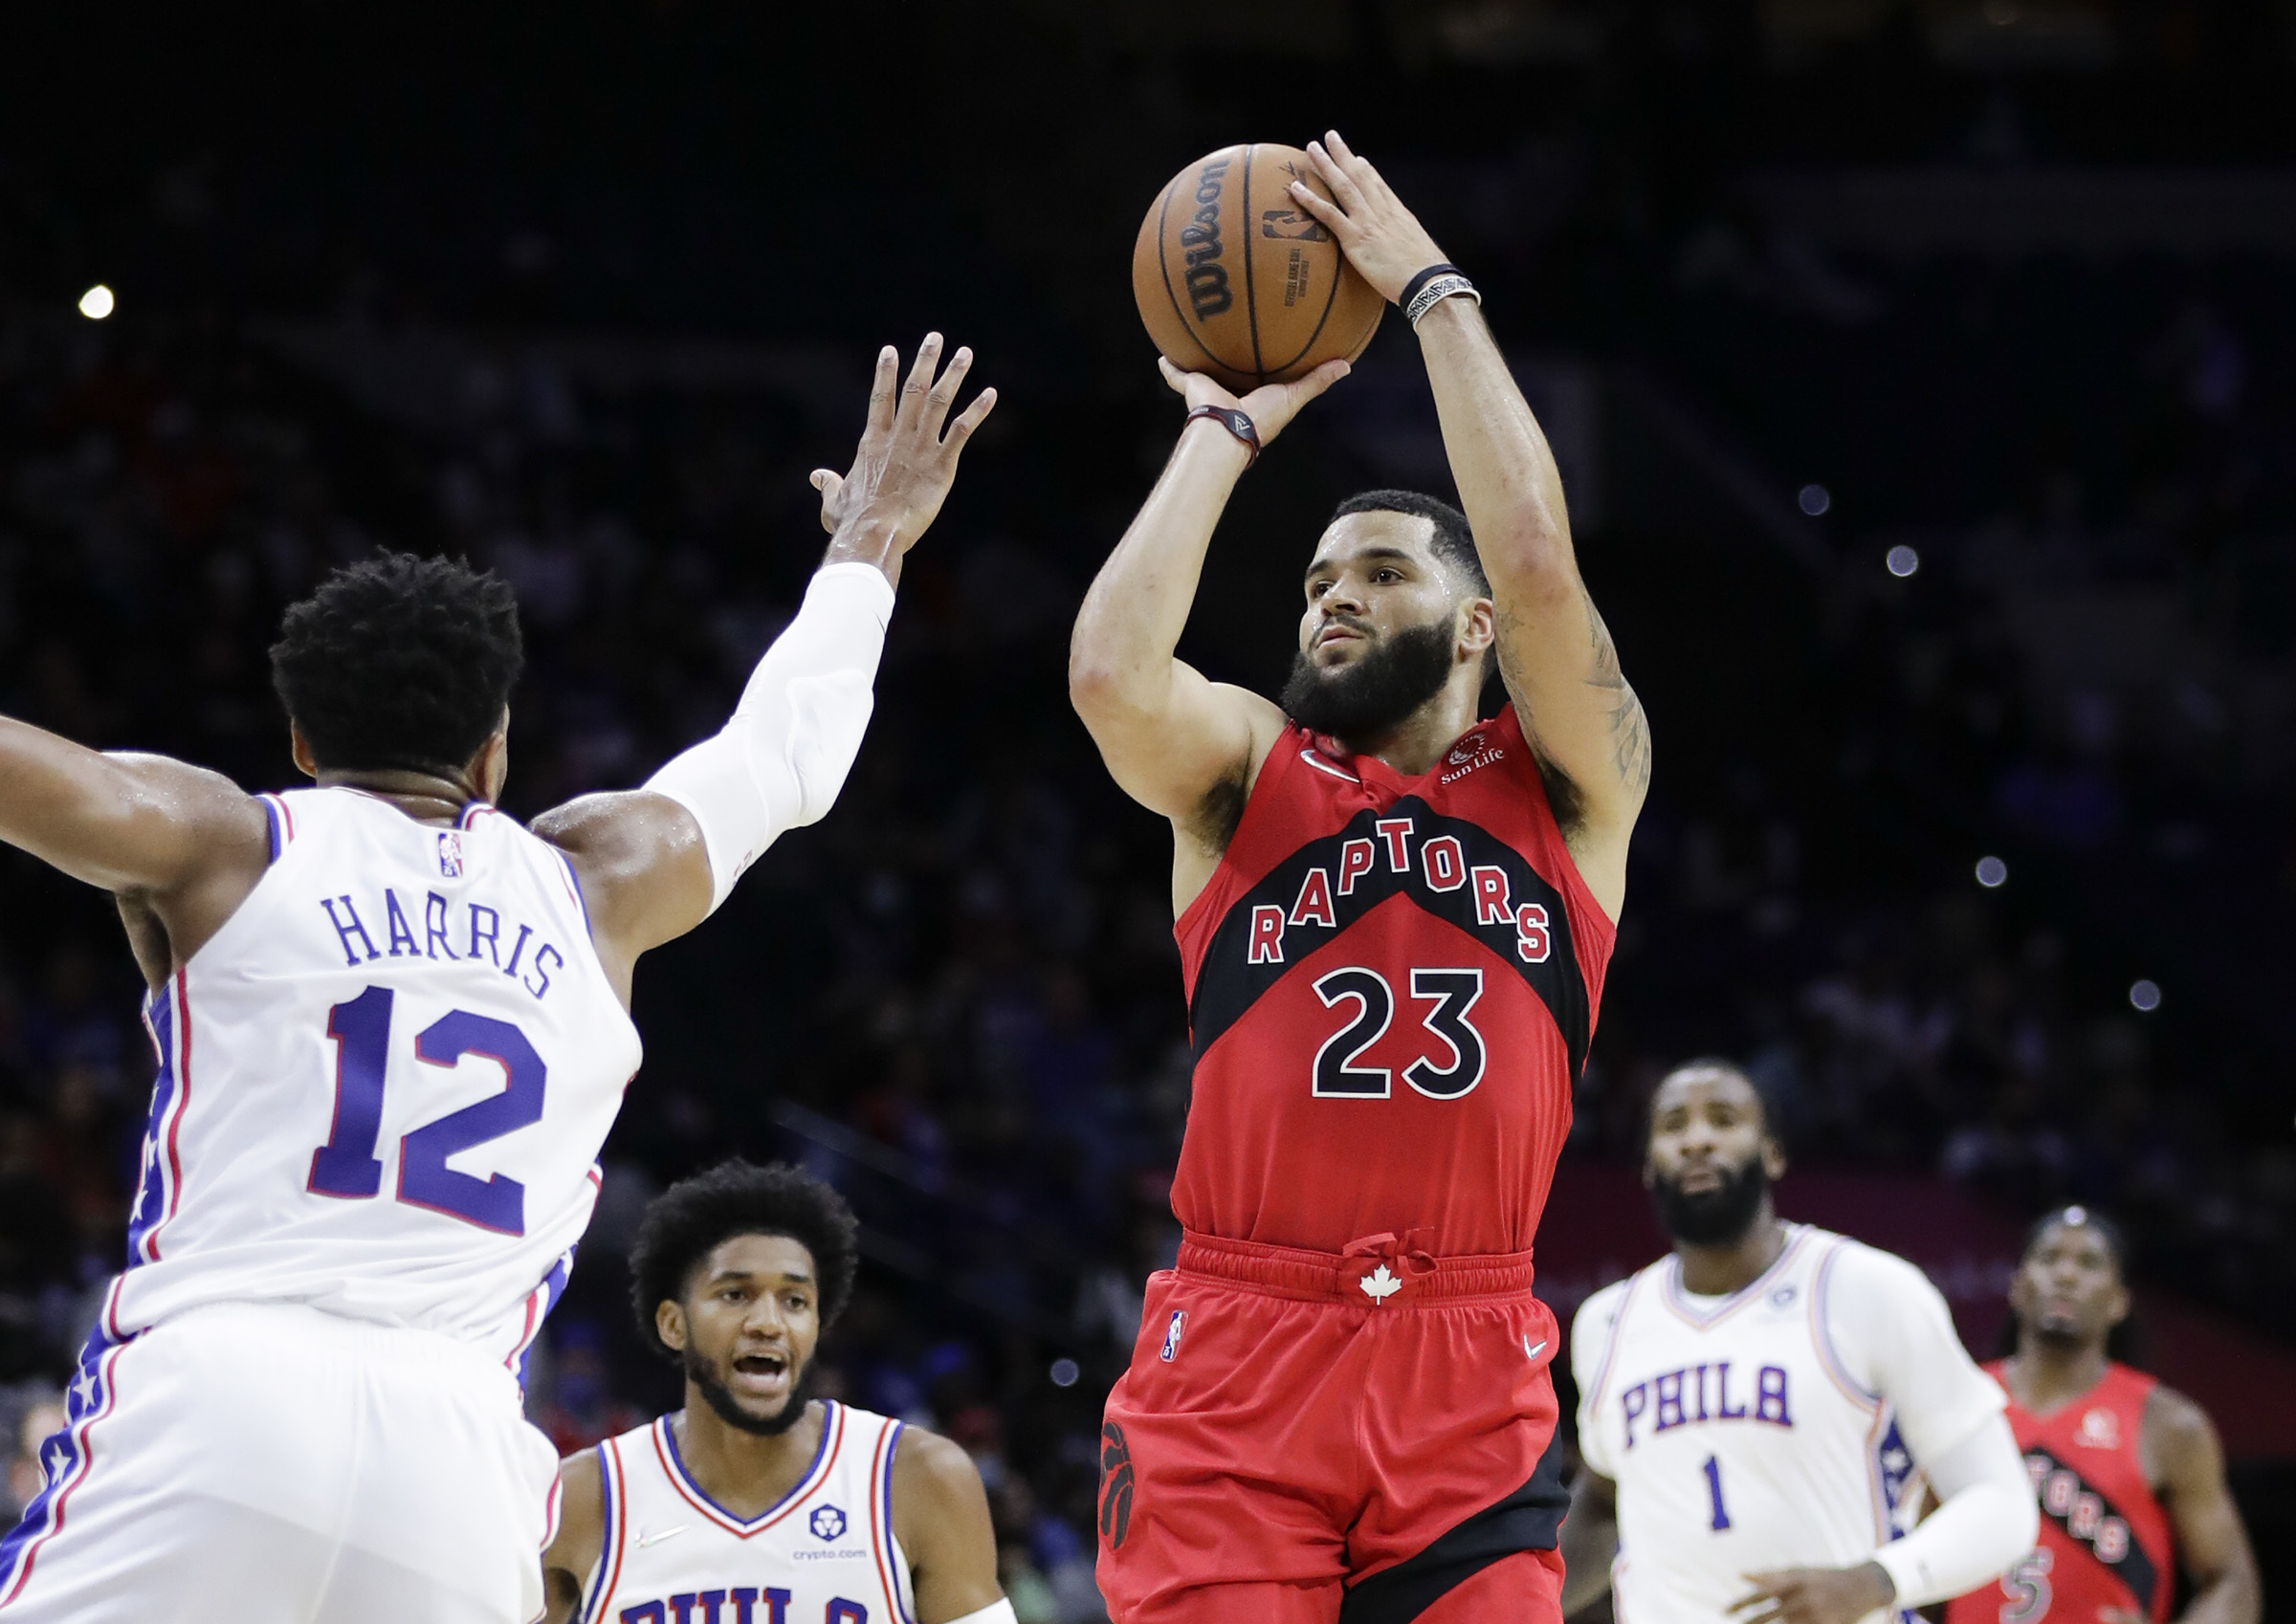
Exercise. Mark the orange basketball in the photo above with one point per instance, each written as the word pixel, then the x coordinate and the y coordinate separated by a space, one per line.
pixel 1234 279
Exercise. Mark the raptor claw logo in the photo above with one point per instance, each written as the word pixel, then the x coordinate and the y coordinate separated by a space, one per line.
pixel 827 1522
pixel 1115 1485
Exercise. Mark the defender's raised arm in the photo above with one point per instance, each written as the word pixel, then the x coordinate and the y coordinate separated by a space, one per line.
pixel 1557 657
pixel 658 861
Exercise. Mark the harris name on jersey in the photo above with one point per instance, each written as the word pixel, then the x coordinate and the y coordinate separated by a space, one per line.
pixel 489 936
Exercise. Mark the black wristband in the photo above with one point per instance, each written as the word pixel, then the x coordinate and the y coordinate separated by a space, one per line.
pixel 1412 287
pixel 1235 422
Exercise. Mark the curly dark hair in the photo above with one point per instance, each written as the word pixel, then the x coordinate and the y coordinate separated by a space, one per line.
pixel 399 661
pixel 686 1222
pixel 1453 541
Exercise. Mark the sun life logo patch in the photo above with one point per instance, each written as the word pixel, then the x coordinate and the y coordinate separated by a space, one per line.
pixel 827 1522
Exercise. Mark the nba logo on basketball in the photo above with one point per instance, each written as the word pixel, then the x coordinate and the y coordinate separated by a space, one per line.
pixel 1179 1322
pixel 450 853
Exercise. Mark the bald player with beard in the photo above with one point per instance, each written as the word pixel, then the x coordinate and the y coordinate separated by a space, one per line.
pixel 1758 1409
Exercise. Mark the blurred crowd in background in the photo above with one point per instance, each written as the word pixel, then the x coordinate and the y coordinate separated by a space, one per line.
pixel 1959 582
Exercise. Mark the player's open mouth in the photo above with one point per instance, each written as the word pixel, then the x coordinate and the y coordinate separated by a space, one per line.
pixel 761 1373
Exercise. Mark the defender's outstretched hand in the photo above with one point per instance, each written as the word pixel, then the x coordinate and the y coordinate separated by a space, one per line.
pixel 1271 406
pixel 902 471
pixel 1381 239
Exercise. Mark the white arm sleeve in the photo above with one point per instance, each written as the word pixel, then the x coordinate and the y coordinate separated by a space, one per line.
pixel 996 1611
pixel 779 762
pixel 1986 1520
pixel 1592 1330
pixel 1893 1337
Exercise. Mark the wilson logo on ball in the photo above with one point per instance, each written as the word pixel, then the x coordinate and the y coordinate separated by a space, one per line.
pixel 1236 278
pixel 1207 282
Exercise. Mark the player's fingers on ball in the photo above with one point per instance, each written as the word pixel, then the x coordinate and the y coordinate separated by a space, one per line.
pixel 1344 190
pixel 1317 205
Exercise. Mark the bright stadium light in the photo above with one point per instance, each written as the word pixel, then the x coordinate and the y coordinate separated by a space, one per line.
pixel 1901 560
pixel 1065 1372
pixel 1992 872
pixel 2144 993
pixel 96 302
pixel 1814 499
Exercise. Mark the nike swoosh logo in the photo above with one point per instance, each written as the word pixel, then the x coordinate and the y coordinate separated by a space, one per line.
pixel 644 1540
pixel 1532 1353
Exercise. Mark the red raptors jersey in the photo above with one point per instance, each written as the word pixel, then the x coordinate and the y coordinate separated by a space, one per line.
pixel 1391 985
pixel 2105 1540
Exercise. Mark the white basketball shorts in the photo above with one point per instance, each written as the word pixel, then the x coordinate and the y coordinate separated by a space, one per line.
pixel 281 1465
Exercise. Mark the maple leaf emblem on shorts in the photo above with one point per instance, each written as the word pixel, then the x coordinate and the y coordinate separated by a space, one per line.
pixel 1380 1284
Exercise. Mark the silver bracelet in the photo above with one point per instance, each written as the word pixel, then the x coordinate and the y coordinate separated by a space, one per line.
pixel 1437 290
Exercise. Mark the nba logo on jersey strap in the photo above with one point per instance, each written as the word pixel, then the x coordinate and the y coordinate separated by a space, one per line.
pixel 450 853
pixel 1179 1322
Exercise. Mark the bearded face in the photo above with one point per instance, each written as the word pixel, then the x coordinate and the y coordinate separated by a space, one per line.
pixel 1718 1212
pixel 1393 677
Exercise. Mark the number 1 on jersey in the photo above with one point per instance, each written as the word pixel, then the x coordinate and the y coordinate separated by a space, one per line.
pixel 347 1166
pixel 1713 1489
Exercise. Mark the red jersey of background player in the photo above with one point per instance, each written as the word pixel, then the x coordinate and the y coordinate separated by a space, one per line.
pixel 2105 1539
pixel 1391 986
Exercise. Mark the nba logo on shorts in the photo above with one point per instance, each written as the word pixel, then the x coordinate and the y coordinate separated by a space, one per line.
pixel 1179 1322
pixel 450 853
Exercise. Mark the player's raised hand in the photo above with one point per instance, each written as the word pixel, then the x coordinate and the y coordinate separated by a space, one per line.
pixel 905 465
pixel 1815 1595
pixel 1381 239
pixel 1270 406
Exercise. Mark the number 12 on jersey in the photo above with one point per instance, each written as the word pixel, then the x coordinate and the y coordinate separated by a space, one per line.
pixel 346 1165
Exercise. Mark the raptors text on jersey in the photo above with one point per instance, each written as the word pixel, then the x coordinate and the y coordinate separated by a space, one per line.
pixel 1392 983
pixel 2105 1539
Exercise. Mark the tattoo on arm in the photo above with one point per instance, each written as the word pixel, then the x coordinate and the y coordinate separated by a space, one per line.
pixel 1629 730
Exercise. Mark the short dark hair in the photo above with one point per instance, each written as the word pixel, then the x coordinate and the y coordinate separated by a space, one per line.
pixel 399 661
pixel 1708 1062
pixel 694 1217
pixel 2123 1345
pixel 1454 544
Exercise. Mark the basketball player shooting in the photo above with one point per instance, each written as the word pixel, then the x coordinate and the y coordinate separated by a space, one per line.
pixel 1757 1408
pixel 394 1029
pixel 2129 1473
pixel 1393 917
pixel 757 1498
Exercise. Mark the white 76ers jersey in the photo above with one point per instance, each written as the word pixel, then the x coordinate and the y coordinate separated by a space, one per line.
pixel 1777 1427
pixel 382 1084
pixel 826 1554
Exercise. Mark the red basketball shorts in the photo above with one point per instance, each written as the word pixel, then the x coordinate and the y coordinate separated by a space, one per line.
pixel 1306 1438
